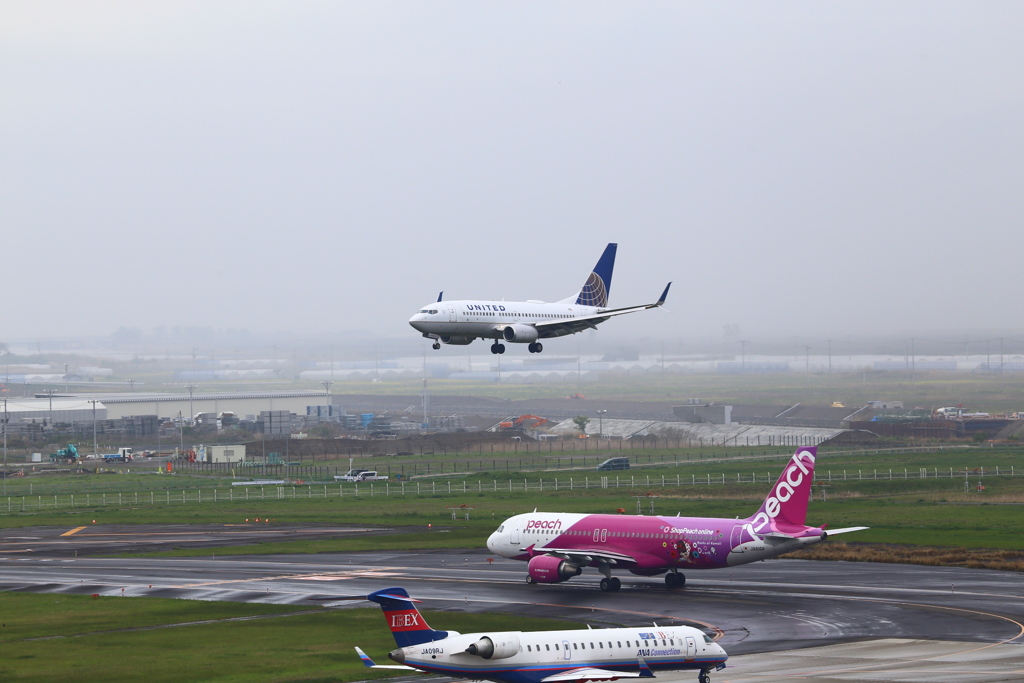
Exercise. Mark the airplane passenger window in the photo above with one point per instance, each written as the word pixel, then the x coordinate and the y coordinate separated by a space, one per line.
pixel 528 649
pixel 547 647
pixel 556 646
pixel 601 645
pixel 574 646
pixel 663 643
pixel 618 643
pixel 646 644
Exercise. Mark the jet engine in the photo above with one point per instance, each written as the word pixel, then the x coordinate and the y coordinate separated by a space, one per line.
pixel 495 647
pixel 551 569
pixel 520 334
pixel 456 341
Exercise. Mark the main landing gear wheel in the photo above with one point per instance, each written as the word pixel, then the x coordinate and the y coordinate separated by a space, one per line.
pixel 536 347
pixel 704 677
pixel 674 580
pixel 436 345
pixel 497 348
pixel 610 585
pixel 529 580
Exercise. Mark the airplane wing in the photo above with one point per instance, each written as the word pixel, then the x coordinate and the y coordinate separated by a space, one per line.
pixel 585 557
pixel 560 328
pixel 589 674
pixel 833 532
pixel 369 664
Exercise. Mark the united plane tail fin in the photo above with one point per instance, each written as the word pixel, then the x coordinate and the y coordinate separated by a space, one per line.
pixel 405 621
pixel 597 287
pixel 786 505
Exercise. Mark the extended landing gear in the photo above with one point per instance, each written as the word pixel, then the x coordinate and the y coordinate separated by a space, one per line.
pixel 610 585
pixel 497 348
pixel 536 347
pixel 705 676
pixel 529 580
pixel 674 580
pixel 436 346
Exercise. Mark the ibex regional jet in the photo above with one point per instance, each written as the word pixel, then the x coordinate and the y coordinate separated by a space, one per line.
pixel 558 545
pixel 577 656
pixel 525 322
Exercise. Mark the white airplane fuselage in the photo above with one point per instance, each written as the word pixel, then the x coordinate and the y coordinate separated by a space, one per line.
pixel 488 319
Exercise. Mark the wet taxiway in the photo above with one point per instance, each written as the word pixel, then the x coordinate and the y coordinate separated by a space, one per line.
pixel 774 612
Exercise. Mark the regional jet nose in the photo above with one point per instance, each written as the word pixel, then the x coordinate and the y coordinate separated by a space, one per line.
pixel 397 655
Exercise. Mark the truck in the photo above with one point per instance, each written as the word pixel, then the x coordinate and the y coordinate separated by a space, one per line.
pixel 124 454
pixel 358 475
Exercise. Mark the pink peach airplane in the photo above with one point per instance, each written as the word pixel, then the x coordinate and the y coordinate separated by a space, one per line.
pixel 557 545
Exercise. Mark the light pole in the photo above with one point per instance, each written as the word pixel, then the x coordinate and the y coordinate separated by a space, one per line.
pixel 181 436
pixel 131 384
pixel 191 389
pixel 5 446
pixel 600 422
pixel 65 378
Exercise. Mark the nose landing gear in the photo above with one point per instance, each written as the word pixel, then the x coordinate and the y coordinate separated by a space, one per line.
pixel 436 345
pixel 705 676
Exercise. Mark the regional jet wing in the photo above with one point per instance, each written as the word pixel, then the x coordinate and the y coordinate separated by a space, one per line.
pixel 589 674
pixel 585 557
pixel 559 328
pixel 369 664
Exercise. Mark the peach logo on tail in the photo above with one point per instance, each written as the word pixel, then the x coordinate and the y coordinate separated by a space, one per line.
pixel 784 490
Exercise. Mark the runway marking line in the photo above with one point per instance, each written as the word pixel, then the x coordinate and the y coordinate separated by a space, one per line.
pixel 74 531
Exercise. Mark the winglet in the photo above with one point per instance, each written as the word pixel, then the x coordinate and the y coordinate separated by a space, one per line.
pixel 367 662
pixel 439 296
pixel 664 295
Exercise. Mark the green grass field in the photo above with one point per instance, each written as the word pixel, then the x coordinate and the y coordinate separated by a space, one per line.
pixel 49 638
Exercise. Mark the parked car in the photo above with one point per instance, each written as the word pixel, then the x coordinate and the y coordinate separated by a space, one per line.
pixel 614 464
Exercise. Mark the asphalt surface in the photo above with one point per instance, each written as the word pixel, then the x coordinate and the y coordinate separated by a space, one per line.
pixel 775 607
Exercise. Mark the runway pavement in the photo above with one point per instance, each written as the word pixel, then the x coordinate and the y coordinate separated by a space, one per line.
pixel 871 618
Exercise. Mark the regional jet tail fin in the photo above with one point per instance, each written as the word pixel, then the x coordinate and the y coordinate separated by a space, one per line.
pixel 597 287
pixel 786 505
pixel 405 621
pixel 589 674
pixel 369 663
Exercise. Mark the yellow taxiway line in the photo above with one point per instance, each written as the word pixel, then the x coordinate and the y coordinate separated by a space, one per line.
pixel 74 531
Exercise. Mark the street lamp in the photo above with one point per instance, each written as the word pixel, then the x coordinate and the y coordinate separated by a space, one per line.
pixel 95 448
pixel 600 422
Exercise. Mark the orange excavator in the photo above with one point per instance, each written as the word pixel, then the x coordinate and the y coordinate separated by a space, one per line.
pixel 518 422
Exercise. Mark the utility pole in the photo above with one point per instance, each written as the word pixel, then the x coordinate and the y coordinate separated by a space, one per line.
pixel 131 384
pixel 830 357
pixel 65 378
pixel 743 354
pixel 50 392
pixel 95 448
pixel 181 435
pixel 913 358
pixel 807 359
pixel 5 446
pixel 600 422
pixel 192 415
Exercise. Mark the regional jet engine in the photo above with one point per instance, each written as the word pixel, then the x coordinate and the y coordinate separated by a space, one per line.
pixel 520 334
pixel 551 569
pixel 495 647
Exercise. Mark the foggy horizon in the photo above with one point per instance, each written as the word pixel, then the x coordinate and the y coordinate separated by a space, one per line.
pixel 320 171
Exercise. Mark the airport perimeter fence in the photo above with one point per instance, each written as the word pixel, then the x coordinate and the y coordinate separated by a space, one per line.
pixel 471 466
pixel 234 494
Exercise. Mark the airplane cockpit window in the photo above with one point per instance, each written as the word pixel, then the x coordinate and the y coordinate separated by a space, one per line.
pixel 423 311
pixel 501 528
pixel 432 311
pixel 707 639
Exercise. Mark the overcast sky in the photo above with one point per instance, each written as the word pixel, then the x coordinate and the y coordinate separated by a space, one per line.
pixel 804 168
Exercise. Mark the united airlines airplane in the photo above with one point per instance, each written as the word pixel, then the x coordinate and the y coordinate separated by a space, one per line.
pixel 573 656
pixel 557 546
pixel 525 322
